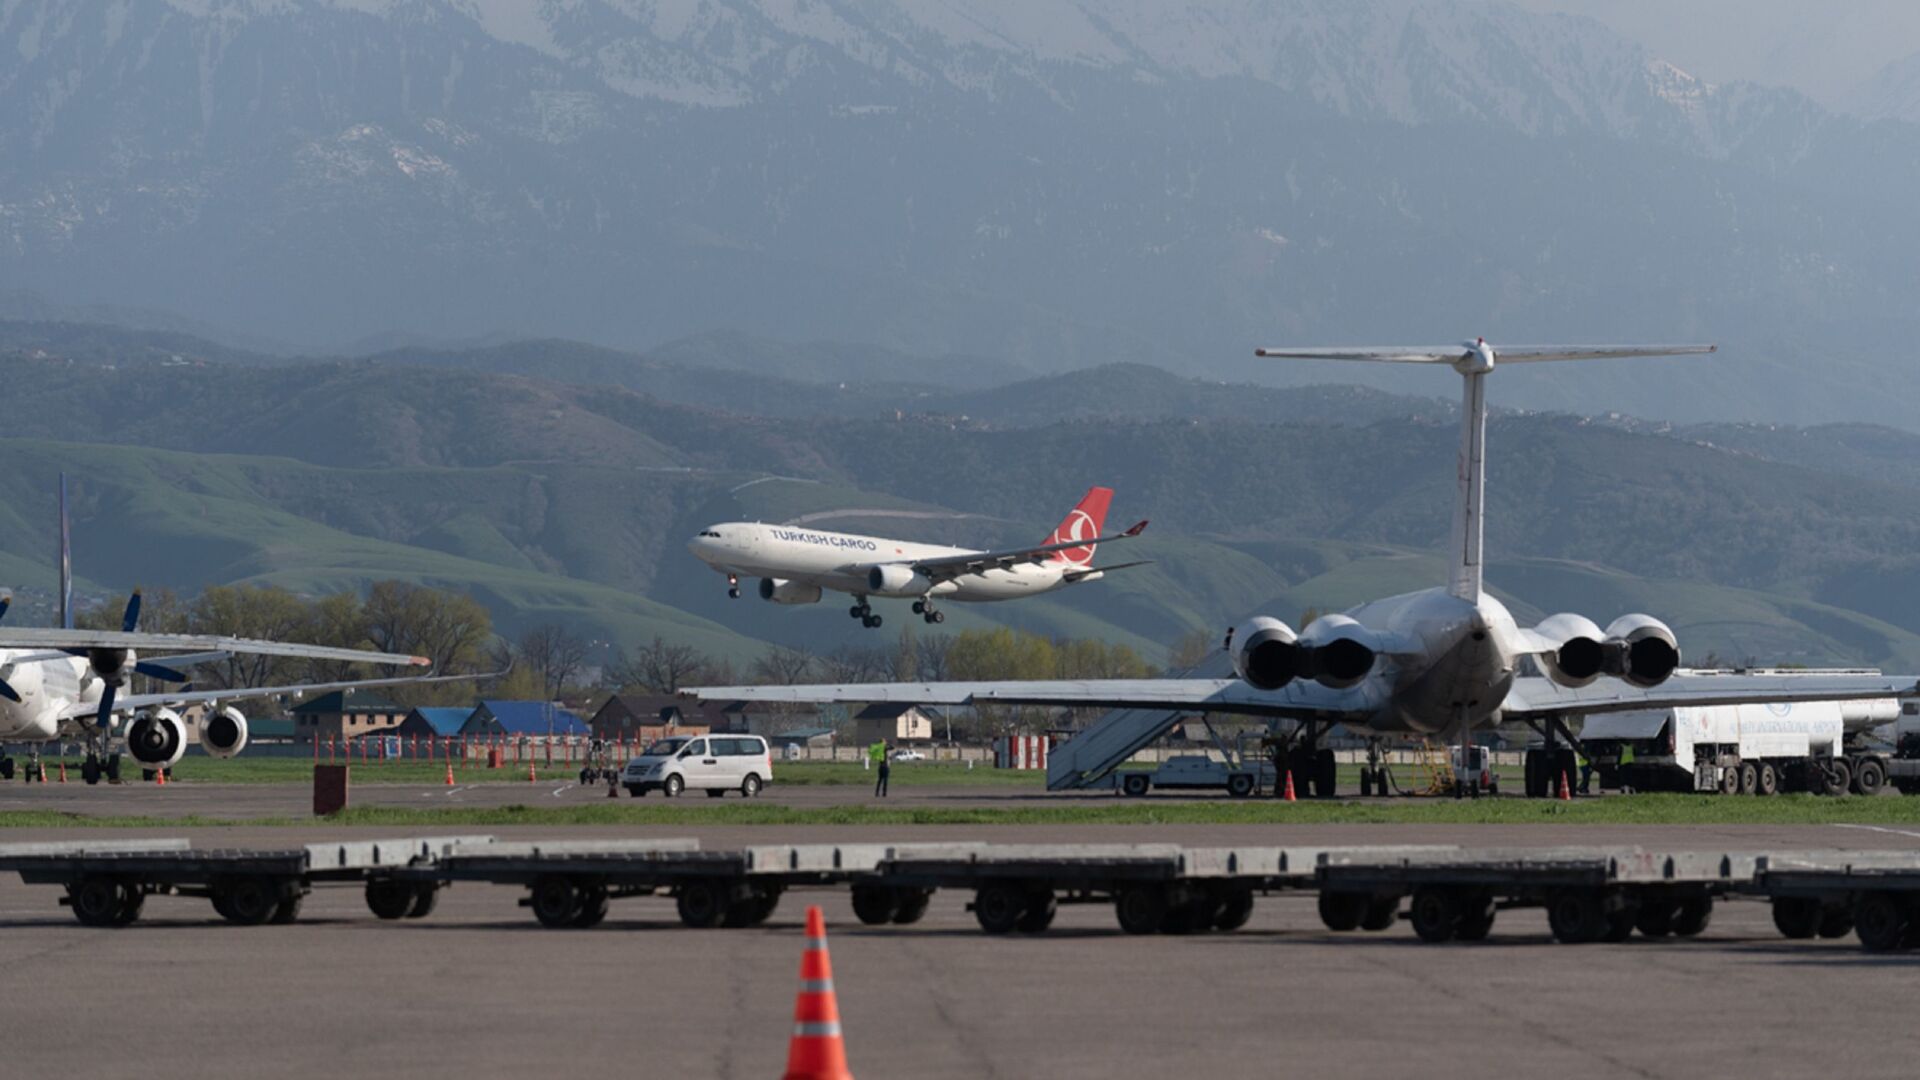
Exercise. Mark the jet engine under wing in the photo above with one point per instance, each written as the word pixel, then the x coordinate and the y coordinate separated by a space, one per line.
pixel 42 638
pixel 1299 700
pixel 129 702
pixel 1534 696
pixel 954 566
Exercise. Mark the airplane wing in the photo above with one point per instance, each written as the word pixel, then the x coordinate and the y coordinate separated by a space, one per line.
pixel 1508 354
pixel 1299 700
pixel 1076 575
pixel 1535 696
pixel 954 566
pixel 130 702
pixel 44 638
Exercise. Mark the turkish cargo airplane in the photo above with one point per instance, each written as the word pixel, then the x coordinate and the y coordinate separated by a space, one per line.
pixel 64 684
pixel 796 565
pixel 1444 661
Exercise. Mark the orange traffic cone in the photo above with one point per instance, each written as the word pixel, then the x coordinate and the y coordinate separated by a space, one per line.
pixel 1289 796
pixel 43 771
pixel 1566 791
pixel 531 779
pixel 815 1052
pixel 63 770
pixel 160 777
pixel 449 774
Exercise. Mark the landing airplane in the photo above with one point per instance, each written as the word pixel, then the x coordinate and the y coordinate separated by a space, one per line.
pixel 64 684
pixel 1444 661
pixel 794 564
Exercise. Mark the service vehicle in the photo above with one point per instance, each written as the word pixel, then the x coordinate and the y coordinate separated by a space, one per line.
pixel 1194 772
pixel 1752 749
pixel 715 764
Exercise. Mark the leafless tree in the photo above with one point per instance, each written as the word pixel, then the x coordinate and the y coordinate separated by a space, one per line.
pixel 783 665
pixel 660 666
pixel 554 653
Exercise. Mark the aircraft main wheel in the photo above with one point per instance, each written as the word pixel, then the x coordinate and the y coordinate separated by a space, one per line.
pixel 857 612
pixel 1326 775
pixel 733 593
pixel 939 616
pixel 919 607
pixel 113 768
pixel 873 622
pixel 90 770
pixel 6 768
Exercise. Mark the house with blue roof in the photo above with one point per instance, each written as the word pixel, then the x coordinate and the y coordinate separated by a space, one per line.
pixel 523 719
pixel 440 722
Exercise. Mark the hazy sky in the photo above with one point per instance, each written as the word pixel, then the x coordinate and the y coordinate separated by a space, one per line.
pixel 1821 47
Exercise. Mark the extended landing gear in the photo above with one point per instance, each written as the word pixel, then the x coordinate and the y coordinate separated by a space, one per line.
pixel 926 610
pixel 92 771
pixel 733 587
pixel 864 612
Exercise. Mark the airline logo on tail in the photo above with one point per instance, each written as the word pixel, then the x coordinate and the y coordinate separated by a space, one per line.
pixel 1083 522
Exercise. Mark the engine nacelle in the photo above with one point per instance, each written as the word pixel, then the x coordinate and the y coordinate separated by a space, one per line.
pixel 782 591
pixel 223 732
pixel 1641 649
pixel 894 579
pixel 1337 651
pixel 1266 653
pixel 1579 654
pixel 157 738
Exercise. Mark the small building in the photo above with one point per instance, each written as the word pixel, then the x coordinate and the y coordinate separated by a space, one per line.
pixel 345 714
pixel 891 722
pixel 639 718
pixel 523 719
pixel 438 722
pixel 819 738
pixel 758 717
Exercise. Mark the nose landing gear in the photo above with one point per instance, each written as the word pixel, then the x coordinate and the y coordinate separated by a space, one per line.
pixel 733 587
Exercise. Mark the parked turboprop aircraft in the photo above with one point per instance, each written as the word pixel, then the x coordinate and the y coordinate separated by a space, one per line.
pixel 64 684
pixel 794 564
pixel 1444 661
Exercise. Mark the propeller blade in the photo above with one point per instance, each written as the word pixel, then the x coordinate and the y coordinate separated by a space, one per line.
pixel 7 691
pixel 105 716
pixel 155 671
pixel 130 621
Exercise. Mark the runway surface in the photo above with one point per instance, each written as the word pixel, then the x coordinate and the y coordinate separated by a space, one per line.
pixel 479 990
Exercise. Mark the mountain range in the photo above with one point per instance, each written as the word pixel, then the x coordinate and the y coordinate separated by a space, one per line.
pixel 1058 186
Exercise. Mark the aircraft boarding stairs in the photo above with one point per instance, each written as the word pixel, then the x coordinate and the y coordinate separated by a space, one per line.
pixel 1087 759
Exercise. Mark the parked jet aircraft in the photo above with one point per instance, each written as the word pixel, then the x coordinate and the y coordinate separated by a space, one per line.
pixel 1444 661
pixel 795 564
pixel 64 684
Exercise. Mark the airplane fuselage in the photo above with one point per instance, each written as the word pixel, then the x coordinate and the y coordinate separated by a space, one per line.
pixel 1453 663
pixel 841 562
pixel 47 689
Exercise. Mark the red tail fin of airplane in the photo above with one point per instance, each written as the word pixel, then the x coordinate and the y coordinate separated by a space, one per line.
pixel 1082 522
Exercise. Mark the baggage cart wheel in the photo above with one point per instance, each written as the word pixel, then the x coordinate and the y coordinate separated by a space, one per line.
pixel 1140 908
pixel 593 909
pixel 1240 785
pixel 1041 907
pixel 426 896
pixel 913 906
pixel 1882 922
pixel 388 899
pixel 1694 914
pixel 999 907
pixel 1835 922
pixel 555 901
pixel 1433 912
pixel 1576 916
pixel 1620 924
pixel 1235 909
pixel 250 901
pixel 288 910
pixel 1343 911
pixel 1135 783
pixel 1796 917
pixel 702 904
pixel 875 905
pixel 96 901
pixel 1476 919
pixel 132 899
pixel 1656 917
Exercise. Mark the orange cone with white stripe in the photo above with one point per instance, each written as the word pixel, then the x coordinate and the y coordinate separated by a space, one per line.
pixel 449 774
pixel 160 777
pixel 1566 789
pixel 1290 796
pixel 816 1052
pixel 63 770
pixel 531 779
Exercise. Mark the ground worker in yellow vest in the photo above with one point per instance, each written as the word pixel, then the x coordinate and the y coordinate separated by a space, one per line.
pixel 877 754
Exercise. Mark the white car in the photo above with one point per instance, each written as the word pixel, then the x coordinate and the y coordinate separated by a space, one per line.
pixel 909 755
pixel 715 764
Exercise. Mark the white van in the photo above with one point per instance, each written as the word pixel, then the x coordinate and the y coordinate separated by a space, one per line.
pixel 715 764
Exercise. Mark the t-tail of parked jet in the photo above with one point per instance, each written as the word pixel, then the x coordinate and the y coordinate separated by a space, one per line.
pixel 1474 360
pixel 1083 522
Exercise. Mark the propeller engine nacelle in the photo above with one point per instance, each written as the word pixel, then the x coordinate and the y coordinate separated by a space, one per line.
pixel 223 732
pixel 782 591
pixel 1579 653
pixel 1334 652
pixel 157 738
pixel 893 579
pixel 1641 649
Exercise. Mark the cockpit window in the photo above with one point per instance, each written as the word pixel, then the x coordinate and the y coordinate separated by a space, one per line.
pixel 710 532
